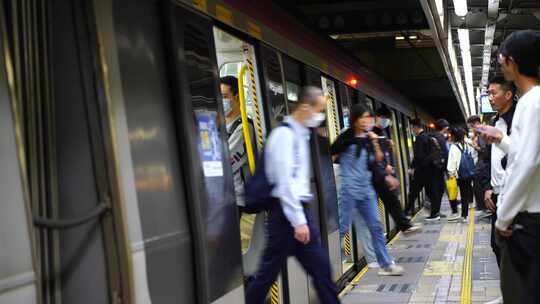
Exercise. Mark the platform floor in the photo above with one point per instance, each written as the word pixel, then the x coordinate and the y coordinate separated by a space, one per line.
pixel 445 263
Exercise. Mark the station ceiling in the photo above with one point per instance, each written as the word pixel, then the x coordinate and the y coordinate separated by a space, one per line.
pixel 390 37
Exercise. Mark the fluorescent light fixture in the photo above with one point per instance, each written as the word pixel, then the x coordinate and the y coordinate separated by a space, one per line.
pixel 493 9
pixel 457 73
pixel 460 7
pixel 486 60
pixel 465 46
pixel 413 37
pixel 400 38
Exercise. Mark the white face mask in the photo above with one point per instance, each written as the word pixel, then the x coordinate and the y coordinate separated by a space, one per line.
pixel 370 126
pixel 385 123
pixel 315 120
pixel 227 106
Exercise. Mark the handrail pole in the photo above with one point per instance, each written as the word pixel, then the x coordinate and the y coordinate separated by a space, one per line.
pixel 245 124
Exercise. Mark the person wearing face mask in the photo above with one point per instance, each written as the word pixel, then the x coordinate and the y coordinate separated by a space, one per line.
pixel 386 189
pixel 360 156
pixel 290 227
pixel 237 144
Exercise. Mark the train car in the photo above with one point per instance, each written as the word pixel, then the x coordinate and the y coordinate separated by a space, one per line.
pixel 116 181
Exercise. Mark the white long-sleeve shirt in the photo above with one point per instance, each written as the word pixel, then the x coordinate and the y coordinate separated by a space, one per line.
pixel 521 190
pixel 497 154
pixel 454 158
pixel 288 168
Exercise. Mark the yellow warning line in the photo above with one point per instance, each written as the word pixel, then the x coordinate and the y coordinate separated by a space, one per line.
pixel 466 278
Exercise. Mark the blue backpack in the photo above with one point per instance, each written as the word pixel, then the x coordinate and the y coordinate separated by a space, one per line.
pixel 466 169
pixel 258 189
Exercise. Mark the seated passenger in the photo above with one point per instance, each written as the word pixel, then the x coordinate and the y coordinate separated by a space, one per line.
pixel 359 155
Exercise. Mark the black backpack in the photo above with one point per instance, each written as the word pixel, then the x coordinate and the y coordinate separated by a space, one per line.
pixel 258 189
pixel 436 156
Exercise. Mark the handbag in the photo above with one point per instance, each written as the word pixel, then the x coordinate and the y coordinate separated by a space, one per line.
pixel 452 187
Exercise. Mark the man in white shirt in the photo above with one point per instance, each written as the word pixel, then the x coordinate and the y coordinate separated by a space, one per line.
pixel 491 172
pixel 291 229
pixel 518 211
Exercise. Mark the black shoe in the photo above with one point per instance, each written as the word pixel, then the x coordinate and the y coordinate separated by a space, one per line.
pixel 433 218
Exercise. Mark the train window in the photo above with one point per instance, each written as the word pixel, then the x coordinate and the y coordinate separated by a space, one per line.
pixel 240 89
pixel 273 74
pixel 292 70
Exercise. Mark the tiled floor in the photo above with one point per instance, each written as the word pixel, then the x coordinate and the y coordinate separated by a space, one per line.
pixel 436 262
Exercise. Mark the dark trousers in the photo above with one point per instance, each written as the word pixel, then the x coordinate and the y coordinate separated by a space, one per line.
pixel 479 195
pixel 466 191
pixel 433 181
pixel 494 246
pixel 281 244
pixel 524 249
pixel 393 205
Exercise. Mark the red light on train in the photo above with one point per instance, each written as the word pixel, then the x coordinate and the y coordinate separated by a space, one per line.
pixel 353 82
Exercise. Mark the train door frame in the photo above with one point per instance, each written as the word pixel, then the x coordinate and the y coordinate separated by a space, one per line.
pixel 330 207
pixel 177 17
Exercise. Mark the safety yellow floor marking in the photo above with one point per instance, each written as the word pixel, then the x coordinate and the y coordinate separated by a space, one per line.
pixel 443 268
pixel 466 280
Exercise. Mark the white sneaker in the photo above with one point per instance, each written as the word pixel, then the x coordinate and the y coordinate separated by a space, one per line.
pixel 453 217
pixel 412 229
pixel 391 270
pixel 432 219
pixel 498 300
pixel 373 265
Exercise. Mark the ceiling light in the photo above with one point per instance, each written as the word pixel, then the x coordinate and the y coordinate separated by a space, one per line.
pixel 465 46
pixel 493 9
pixel 460 7
pixel 400 38
pixel 413 37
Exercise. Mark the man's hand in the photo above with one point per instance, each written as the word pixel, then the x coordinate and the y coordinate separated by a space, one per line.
pixel 301 233
pixel 490 134
pixel 389 170
pixel 392 182
pixel 488 198
pixel 411 171
pixel 505 233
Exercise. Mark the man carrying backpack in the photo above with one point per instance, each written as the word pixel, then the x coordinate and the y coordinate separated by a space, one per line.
pixel 461 165
pixel 290 226
pixel 428 170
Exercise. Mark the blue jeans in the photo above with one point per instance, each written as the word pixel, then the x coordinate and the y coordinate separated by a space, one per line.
pixel 365 203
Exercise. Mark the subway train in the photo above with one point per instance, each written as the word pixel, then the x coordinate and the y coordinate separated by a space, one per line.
pixel 116 183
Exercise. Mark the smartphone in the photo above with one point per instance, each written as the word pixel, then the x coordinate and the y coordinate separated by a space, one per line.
pixel 488 130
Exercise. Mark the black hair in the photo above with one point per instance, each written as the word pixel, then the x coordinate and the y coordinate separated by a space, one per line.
pixel 523 47
pixel 358 110
pixel 505 84
pixel 416 122
pixel 441 124
pixel 474 119
pixel 230 81
pixel 383 111
pixel 458 134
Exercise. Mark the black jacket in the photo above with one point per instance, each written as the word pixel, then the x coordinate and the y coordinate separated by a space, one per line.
pixel 483 166
pixel 421 148
pixel 348 138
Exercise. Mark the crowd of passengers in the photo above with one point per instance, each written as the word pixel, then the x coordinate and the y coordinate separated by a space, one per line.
pixel 492 166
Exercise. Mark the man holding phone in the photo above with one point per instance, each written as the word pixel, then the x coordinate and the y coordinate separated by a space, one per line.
pixel 518 212
pixel 491 169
